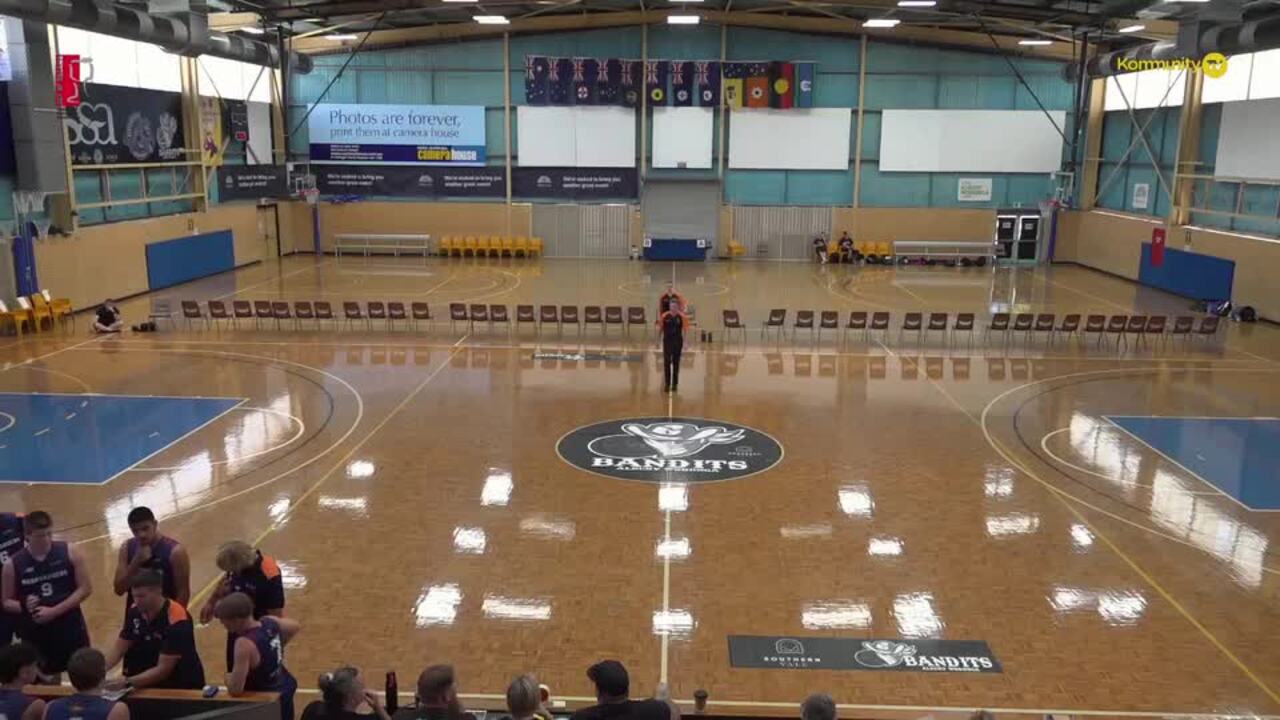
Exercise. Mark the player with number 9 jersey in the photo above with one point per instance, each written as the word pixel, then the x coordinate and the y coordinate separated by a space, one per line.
pixel 46 582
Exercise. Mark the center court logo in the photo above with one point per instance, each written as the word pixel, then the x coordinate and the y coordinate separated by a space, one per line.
pixel 663 449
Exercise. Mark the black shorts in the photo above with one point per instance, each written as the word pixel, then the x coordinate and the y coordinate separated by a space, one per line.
pixel 56 641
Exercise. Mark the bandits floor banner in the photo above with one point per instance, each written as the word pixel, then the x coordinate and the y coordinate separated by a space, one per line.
pixel 683 83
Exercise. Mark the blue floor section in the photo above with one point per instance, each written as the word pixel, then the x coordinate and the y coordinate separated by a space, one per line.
pixel 89 439
pixel 1239 456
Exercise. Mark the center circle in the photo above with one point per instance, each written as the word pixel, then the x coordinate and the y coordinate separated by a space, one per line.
pixel 670 450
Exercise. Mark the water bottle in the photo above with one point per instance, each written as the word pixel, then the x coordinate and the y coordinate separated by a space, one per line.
pixel 392 701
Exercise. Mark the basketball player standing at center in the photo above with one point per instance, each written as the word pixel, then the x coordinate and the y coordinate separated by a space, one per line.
pixel 672 325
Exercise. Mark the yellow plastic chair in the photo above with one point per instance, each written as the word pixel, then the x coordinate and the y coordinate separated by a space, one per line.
pixel 42 305
pixel 482 245
pixel 446 243
pixel 884 249
pixel 472 246
pixel 535 246
pixel 37 315
pixel 508 248
pixel 522 246
pixel 16 318
pixel 495 246
pixel 58 304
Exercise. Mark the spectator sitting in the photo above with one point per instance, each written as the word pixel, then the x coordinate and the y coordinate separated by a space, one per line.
pixel 846 248
pixel 525 700
pixel 18 668
pixel 108 320
pixel 437 697
pixel 818 706
pixel 613 688
pixel 820 248
pixel 345 698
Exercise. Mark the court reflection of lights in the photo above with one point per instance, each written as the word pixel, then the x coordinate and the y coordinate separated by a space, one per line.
pixel 291 575
pixel 358 506
pixel 469 540
pixel 547 529
pixel 916 616
pixel 998 482
pixel 884 546
pixel 673 497
pixel 166 493
pixel 1012 524
pixel 1081 537
pixel 1115 607
pixel 279 509
pixel 437 605
pixel 855 501
pixel 497 607
pixel 497 489
pixel 361 469
pixel 672 622
pixel 673 549
pixel 800 532
pixel 836 614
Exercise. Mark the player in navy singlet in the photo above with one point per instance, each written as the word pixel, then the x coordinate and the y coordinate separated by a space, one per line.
pixel 11 541
pixel 149 550
pixel 258 663
pixel 250 572
pixel 45 583
pixel 87 669
pixel 17 670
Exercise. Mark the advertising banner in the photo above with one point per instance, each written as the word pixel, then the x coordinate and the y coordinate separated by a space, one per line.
pixel 250 182
pixel 115 124
pixel 397 134
pixel 575 183
pixel 420 182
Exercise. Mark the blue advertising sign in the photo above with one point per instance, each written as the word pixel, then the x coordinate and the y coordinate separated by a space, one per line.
pixel 397 134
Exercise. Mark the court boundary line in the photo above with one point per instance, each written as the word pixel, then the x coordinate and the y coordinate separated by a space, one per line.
pixel 28 361
pixel 1184 468
pixel 313 266
pixel 302 430
pixel 1044 445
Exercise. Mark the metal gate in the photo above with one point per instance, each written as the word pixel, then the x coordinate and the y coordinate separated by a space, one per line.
pixel 583 230
pixel 780 233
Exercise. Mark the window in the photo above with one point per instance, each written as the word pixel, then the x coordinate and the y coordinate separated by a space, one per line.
pixel 234 80
pixel 117 61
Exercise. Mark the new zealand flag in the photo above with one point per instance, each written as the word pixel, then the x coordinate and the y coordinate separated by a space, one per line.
pixel 535 79
pixel 629 93
pixel 707 80
pixel 655 81
pixel 609 83
pixel 559 81
pixel 681 83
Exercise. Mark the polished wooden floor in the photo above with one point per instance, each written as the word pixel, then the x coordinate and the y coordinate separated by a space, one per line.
pixel 409 484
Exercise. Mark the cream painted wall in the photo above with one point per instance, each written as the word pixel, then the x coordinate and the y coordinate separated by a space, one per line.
pixel 889 224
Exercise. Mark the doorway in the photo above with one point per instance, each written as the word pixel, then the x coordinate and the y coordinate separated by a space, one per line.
pixel 269 230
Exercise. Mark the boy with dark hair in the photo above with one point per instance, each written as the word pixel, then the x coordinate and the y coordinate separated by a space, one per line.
pixel 157 642
pixel 613 695
pixel 87 669
pixel 17 670
pixel 46 582
pixel 149 550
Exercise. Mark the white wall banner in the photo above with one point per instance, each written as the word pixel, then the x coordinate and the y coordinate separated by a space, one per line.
pixel 397 134
pixel 974 190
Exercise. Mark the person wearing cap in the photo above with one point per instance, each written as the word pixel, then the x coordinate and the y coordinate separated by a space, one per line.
pixel 613 696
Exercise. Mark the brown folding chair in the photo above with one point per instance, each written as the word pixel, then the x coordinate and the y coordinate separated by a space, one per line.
pixel 938 322
pixel 1023 323
pixel 591 315
pixel 498 314
pixel 1070 325
pixel 879 323
pixel 1182 326
pixel 857 321
pixel 548 314
pixel 280 311
pixel 218 311
pixel 324 311
pixel 965 322
pixel 262 311
pixel 828 320
pixel 569 316
pixel 1208 328
pixel 377 311
pixel 191 311
pixel 730 320
pixel 612 316
pixel 1095 325
pixel 777 320
pixel 636 316
pixel 524 314
pixel 303 310
pixel 457 314
pixel 396 311
pixel 1155 326
pixel 913 322
pixel 352 312
pixel 999 323
pixel 1044 324
pixel 478 312
pixel 804 321
pixel 419 311
pixel 1115 326
pixel 1137 325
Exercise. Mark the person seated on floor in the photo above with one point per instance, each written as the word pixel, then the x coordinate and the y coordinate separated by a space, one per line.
pixel 437 697
pixel 613 692
pixel 818 706
pixel 108 320
pixel 345 698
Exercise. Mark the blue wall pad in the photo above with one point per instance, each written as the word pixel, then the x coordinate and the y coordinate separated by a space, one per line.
pixel 171 262
pixel 1238 456
pixel 90 439
pixel 1192 275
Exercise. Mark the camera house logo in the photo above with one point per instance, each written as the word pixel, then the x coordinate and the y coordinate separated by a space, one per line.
pixel 670 450
pixel 1213 65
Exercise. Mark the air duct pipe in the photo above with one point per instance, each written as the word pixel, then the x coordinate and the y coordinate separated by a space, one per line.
pixel 1233 39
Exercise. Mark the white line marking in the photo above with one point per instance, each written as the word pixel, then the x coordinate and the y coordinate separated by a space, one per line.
pixel 278 278
pixel 38 433
pixel 1044 445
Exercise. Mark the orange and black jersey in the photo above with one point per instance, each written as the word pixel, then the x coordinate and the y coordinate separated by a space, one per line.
pixel 170 632
pixel 263 584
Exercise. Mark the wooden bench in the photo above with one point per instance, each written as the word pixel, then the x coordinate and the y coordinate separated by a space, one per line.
pixel 952 249
pixel 382 244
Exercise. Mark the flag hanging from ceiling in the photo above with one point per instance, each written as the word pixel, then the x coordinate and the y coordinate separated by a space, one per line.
pixel 631 87
pixel 655 81
pixel 758 85
pixel 586 72
pixel 804 85
pixel 782 76
pixel 609 83
pixel 733 88
pixel 559 81
pixel 707 80
pixel 682 83
pixel 535 80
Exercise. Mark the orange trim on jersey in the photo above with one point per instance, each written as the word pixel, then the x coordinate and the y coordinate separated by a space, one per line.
pixel 269 567
pixel 177 613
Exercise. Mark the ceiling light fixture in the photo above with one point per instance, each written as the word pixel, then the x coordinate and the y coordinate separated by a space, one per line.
pixel 917 3
pixel 459 1
pixel 1035 42
pixel 341 37
pixel 881 23
pixel 252 30
pixel 1132 28
pixel 492 20
pixel 683 19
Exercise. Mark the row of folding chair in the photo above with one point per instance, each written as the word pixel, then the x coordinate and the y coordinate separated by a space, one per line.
pixel 560 316
pixel 490 246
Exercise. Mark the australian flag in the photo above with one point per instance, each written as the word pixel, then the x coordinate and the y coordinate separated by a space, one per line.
pixel 629 92
pixel 681 83
pixel 707 80
pixel 609 82
pixel 559 81
pixel 535 79
pixel 586 73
